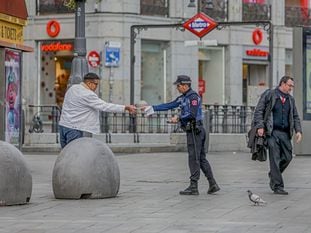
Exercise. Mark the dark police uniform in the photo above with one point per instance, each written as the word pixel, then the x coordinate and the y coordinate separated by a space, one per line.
pixel 191 121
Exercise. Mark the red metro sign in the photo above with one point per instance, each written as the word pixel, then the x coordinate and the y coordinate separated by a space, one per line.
pixel 200 24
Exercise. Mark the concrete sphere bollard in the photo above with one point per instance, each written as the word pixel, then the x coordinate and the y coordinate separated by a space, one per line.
pixel 15 176
pixel 86 168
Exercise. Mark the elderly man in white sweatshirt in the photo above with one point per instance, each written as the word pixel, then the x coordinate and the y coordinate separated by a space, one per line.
pixel 80 111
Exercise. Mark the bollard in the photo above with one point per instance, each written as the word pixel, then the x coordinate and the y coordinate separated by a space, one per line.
pixel 15 176
pixel 86 168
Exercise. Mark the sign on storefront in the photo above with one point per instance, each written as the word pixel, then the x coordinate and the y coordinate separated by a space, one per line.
pixel 255 53
pixel 53 28
pixel 112 56
pixel 11 29
pixel 93 59
pixel 200 24
pixel 56 46
pixel 201 43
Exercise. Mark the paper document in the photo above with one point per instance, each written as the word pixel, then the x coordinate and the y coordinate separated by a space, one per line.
pixel 149 111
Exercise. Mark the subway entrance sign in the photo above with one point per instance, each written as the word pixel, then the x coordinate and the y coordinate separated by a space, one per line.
pixel 200 24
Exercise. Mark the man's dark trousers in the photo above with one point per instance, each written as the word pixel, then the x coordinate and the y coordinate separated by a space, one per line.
pixel 280 155
pixel 199 161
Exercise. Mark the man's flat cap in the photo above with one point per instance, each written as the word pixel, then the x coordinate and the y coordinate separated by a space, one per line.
pixel 182 79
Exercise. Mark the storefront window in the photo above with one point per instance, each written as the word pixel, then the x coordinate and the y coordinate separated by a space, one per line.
pixel 211 70
pixel 45 7
pixel 154 7
pixel 297 12
pixel 256 10
pixel 254 82
pixel 56 58
pixel 154 84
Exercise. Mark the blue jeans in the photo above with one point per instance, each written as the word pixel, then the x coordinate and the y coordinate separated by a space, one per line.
pixel 67 135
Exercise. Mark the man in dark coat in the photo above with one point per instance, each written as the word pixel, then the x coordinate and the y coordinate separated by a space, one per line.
pixel 279 129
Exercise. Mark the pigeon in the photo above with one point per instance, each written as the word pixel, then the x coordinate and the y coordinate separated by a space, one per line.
pixel 257 200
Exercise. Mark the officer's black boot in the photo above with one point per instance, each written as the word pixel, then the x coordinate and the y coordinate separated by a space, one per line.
pixel 191 190
pixel 213 186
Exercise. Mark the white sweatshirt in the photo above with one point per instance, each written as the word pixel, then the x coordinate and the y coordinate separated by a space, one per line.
pixel 81 109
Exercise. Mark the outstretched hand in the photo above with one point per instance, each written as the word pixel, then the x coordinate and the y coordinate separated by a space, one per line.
pixel 143 108
pixel 130 108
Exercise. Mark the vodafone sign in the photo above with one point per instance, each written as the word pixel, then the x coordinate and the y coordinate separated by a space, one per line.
pixel 257 36
pixel 93 59
pixel 53 28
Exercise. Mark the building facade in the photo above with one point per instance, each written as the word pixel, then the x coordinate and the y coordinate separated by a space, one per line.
pixel 234 72
pixel 12 22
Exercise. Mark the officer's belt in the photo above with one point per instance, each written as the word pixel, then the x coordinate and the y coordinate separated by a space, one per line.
pixel 199 123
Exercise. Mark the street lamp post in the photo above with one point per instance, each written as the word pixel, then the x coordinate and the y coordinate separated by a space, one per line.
pixel 79 65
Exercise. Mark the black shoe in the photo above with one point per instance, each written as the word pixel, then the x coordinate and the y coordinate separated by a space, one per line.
pixel 213 189
pixel 280 192
pixel 191 190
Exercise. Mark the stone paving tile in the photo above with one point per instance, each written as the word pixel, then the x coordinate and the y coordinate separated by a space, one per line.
pixel 148 200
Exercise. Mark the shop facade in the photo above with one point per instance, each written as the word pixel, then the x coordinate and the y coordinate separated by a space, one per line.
pixel 234 72
pixel 12 23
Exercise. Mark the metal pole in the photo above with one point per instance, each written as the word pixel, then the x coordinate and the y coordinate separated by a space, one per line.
pixel 271 56
pixel 132 57
pixel 79 64
pixel 199 6
pixel 110 84
pixel 132 128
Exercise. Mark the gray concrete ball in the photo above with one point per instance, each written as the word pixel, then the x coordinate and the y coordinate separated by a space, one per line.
pixel 86 168
pixel 15 176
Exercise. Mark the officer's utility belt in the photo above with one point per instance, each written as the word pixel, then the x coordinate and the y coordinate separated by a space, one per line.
pixel 193 127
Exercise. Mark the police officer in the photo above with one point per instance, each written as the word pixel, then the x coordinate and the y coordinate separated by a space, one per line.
pixel 190 120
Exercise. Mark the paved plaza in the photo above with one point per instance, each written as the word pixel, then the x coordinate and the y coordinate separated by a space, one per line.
pixel 148 200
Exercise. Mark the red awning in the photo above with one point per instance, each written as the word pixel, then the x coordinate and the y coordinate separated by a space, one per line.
pixel 16 8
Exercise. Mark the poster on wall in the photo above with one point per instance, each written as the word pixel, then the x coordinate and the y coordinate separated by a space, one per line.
pixel 12 96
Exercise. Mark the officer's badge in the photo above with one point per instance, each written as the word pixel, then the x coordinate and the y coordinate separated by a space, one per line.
pixel 194 102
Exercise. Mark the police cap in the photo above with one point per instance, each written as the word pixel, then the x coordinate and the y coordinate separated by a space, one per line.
pixel 182 79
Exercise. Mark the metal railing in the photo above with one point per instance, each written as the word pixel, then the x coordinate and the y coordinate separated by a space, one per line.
pixel 256 11
pixel 297 16
pixel 229 118
pixel 218 118
pixel 44 116
pixel 122 123
pixel 154 7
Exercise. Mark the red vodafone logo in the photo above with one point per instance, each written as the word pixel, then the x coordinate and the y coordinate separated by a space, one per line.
pixel 94 59
pixel 53 28
pixel 257 36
